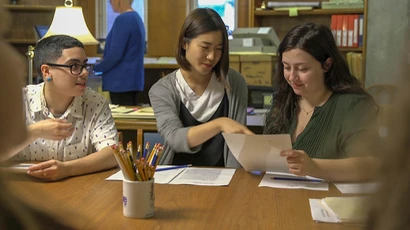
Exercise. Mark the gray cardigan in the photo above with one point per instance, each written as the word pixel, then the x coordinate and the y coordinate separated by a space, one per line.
pixel 165 101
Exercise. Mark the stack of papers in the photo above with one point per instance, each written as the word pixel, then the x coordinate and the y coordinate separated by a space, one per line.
pixel 191 175
pixel 126 112
pixel 340 209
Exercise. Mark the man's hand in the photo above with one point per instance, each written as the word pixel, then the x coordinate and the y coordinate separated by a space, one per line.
pixel 51 170
pixel 51 129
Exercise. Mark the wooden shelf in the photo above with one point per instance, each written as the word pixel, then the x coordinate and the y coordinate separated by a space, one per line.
pixel 21 41
pixel 29 8
pixel 351 49
pixel 309 12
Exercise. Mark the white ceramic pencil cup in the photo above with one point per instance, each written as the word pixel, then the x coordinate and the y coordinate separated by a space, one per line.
pixel 138 198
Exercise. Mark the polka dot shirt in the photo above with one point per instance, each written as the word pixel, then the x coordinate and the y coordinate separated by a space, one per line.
pixel 94 127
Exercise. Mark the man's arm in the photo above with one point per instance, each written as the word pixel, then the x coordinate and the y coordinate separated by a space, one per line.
pixel 101 160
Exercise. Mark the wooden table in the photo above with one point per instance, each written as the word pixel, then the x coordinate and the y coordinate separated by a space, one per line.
pixel 241 205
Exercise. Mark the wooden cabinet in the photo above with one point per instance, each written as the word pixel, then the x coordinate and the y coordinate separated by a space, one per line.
pixel 282 23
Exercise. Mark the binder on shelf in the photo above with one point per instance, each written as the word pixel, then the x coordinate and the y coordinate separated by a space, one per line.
pixel 339 30
pixel 361 30
pixel 350 28
pixel 355 30
pixel 344 30
pixel 333 25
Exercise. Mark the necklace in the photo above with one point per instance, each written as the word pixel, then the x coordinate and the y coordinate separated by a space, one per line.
pixel 307 112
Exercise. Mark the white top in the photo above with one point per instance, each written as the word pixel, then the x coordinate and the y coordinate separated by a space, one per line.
pixel 201 107
pixel 94 127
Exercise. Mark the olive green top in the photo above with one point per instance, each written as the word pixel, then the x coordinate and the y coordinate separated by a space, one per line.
pixel 345 126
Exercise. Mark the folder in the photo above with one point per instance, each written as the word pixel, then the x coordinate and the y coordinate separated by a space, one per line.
pixel 340 209
pixel 348 209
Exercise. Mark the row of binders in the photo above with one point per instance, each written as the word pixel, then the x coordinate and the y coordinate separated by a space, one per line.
pixel 348 29
pixel 140 167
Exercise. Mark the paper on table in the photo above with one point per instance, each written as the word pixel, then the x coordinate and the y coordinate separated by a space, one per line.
pixel 357 188
pixel 259 152
pixel 205 176
pixel 267 181
pixel 320 213
pixel 143 113
pixel 121 109
pixel 22 167
pixel 348 209
pixel 161 177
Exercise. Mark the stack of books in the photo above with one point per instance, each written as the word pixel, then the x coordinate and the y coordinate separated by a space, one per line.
pixel 343 4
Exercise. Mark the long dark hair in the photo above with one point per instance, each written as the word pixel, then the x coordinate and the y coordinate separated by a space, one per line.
pixel 201 21
pixel 318 41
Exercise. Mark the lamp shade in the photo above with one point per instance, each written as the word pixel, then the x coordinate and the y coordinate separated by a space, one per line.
pixel 70 21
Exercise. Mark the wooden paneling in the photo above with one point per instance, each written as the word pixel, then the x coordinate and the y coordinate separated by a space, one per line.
pixel 90 17
pixel 165 19
pixel 243 13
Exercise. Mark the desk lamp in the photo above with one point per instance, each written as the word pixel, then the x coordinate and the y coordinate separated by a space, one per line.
pixel 68 20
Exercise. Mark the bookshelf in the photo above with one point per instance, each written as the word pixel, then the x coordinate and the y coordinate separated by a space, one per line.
pixel 282 23
pixel 24 16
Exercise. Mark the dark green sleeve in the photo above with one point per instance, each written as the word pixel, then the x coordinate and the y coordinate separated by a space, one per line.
pixel 359 132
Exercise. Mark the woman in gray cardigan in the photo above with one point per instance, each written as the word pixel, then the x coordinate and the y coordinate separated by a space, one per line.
pixel 203 98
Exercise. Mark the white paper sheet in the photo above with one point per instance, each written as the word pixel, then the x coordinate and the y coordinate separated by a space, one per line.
pixel 205 176
pixel 357 188
pixel 259 152
pixel 268 181
pixel 161 177
pixel 21 168
pixel 321 213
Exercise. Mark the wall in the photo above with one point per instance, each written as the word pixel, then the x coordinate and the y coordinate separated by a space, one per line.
pixel 387 28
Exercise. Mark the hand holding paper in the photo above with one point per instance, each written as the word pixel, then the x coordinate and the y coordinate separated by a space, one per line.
pixel 259 152
pixel 299 162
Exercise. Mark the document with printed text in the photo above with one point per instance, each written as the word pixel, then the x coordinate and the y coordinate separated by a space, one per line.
pixel 189 175
pixel 259 152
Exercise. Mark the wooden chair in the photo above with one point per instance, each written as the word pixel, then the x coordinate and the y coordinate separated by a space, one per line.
pixel 384 95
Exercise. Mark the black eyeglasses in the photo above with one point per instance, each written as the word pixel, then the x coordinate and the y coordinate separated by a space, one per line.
pixel 75 69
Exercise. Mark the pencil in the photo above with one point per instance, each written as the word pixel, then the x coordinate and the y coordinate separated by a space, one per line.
pixel 296 179
pixel 173 167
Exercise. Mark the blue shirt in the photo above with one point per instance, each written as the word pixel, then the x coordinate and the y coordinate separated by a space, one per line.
pixel 123 62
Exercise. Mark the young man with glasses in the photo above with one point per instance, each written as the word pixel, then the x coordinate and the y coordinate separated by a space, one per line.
pixel 70 127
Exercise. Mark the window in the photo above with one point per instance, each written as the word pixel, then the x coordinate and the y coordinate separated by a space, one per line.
pixel 225 8
pixel 106 16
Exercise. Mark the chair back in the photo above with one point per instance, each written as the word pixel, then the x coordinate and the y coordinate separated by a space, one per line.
pixel 384 95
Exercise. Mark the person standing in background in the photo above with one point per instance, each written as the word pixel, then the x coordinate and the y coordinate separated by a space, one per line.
pixel 123 60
